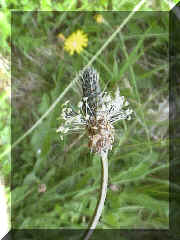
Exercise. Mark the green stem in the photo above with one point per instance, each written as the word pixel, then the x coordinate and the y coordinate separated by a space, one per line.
pixel 102 197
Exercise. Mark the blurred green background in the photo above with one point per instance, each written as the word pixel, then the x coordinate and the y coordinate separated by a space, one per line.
pixel 56 183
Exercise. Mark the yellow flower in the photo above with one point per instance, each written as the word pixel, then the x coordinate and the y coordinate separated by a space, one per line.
pixel 99 18
pixel 76 42
pixel 61 37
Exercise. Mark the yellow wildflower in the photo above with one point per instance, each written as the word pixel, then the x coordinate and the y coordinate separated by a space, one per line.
pixel 99 18
pixel 76 42
pixel 61 37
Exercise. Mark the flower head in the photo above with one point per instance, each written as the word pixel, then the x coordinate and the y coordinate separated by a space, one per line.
pixel 99 18
pixel 76 42
pixel 61 37
pixel 96 113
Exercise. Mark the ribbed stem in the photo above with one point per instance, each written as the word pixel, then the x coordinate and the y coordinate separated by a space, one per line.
pixel 102 197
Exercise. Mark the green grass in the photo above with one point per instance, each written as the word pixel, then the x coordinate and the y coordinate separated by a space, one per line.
pixel 135 60
pixel 47 5
pixel 72 177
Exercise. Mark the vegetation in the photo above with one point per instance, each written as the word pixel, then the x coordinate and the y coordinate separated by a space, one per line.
pixel 55 183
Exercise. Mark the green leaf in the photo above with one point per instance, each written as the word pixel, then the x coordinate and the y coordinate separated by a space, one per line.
pixel 44 105
pixel 30 179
